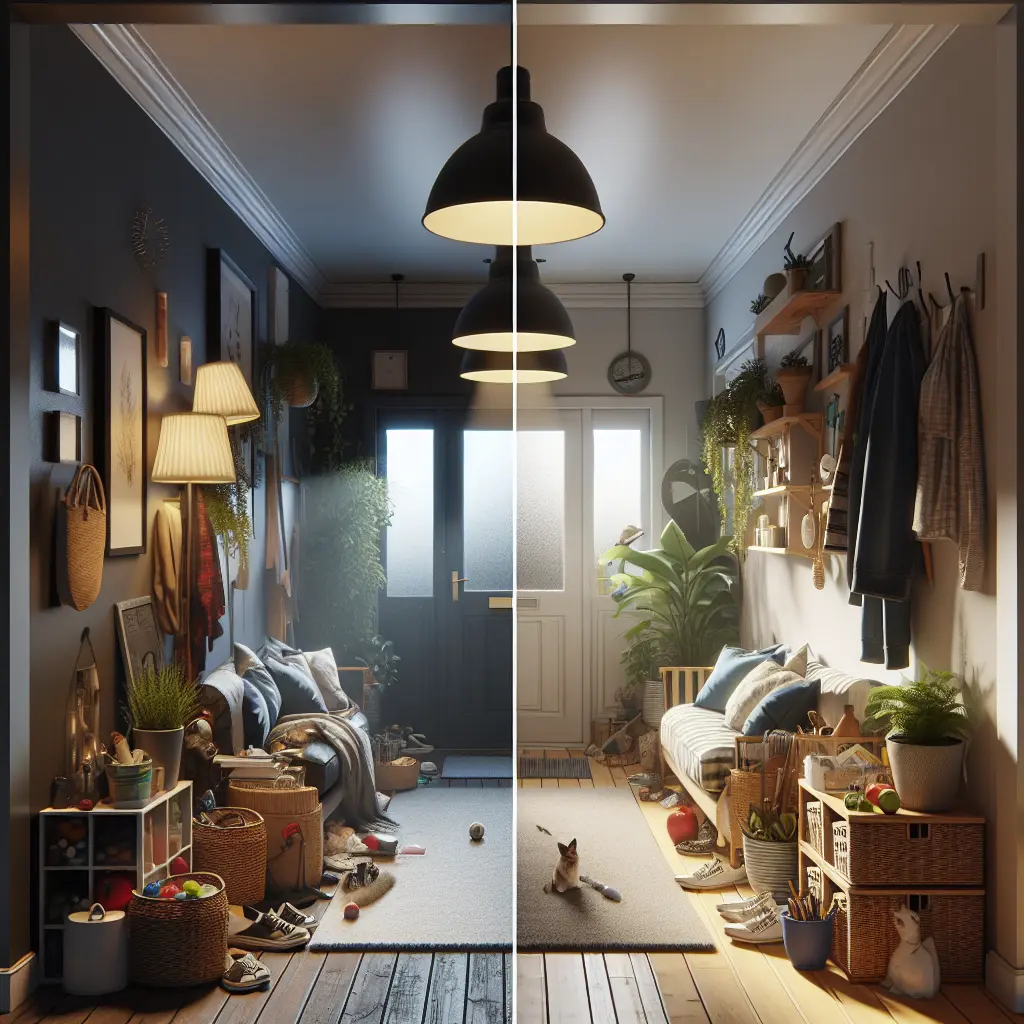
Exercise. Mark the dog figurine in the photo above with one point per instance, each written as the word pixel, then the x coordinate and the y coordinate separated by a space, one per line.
pixel 567 871
pixel 914 964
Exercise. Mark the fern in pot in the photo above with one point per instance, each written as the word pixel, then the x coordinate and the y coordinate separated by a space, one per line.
pixel 161 702
pixel 770 849
pixel 927 727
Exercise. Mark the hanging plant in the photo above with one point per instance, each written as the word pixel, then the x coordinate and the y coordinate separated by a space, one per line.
pixel 299 372
pixel 227 505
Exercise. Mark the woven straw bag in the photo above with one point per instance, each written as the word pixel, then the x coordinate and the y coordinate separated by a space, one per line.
pixel 83 538
pixel 234 847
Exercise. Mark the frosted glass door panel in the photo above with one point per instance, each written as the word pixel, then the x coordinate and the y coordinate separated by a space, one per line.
pixel 618 485
pixel 487 509
pixel 410 538
pixel 540 510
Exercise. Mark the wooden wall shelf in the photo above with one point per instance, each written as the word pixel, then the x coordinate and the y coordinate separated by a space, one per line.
pixel 791 552
pixel 841 373
pixel 788 311
pixel 812 422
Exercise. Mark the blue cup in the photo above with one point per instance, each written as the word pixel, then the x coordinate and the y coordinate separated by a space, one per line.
pixel 808 943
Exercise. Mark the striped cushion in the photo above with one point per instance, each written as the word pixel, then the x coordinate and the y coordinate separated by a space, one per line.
pixel 700 744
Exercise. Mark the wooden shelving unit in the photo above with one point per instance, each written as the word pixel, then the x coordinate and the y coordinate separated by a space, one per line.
pixel 789 310
pixel 791 552
pixel 839 375
pixel 812 422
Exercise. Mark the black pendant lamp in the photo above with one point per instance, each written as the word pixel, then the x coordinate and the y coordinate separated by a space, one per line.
pixel 531 367
pixel 485 322
pixel 471 200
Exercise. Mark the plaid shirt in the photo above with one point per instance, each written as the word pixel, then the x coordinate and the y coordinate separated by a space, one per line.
pixel 951 498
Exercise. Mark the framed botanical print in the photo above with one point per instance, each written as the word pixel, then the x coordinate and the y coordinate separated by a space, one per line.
pixel 120 440
pixel 230 312
pixel 836 350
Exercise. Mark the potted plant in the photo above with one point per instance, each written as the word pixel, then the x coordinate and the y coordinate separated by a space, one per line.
pixel 770 849
pixel 299 371
pixel 642 660
pixel 760 304
pixel 161 702
pixel 797 266
pixel 381 663
pixel 794 375
pixel 927 725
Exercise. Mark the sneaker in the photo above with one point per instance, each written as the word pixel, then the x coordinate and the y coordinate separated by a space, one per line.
pixel 745 910
pixel 268 931
pixel 760 930
pixel 715 874
pixel 706 841
pixel 296 917
pixel 245 973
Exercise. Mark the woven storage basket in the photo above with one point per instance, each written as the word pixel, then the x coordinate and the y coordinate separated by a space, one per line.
pixel 84 537
pixel 841 847
pixel 747 789
pixel 237 851
pixel 813 818
pixel 178 943
pixel 279 808
pixel 770 866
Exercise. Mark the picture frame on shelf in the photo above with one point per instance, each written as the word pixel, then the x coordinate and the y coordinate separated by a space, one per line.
pixel 63 359
pixel 824 275
pixel 120 442
pixel 138 636
pixel 836 344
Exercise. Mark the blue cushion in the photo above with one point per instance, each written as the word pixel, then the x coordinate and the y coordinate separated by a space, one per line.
pixel 732 666
pixel 264 682
pixel 784 708
pixel 299 693
pixel 255 716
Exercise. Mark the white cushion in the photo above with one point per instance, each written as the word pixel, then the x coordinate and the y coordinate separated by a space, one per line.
pixel 324 670
pixel 245 659
pixel 759 683
pixel 839 689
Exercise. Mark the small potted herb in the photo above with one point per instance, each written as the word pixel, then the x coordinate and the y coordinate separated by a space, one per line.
pixel 794 375
pixel 797 267
pixel 770 849
pixel 928 726
pixel 161 702
pixel 760 304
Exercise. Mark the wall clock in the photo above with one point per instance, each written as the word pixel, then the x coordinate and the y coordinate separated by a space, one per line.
pixel 150 238
pixel 629 373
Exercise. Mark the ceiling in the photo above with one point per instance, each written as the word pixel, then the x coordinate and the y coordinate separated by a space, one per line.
pixel 344 127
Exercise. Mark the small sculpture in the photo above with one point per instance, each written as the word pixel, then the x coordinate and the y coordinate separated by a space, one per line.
pixel 914 964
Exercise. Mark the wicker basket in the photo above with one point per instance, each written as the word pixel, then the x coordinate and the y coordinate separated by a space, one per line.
pixel 279 808
pixel 841 847
pixel 813 818
pixel 178 943
pixel 770 866
pixel 747 788
pixel 237 851
pixel 85 536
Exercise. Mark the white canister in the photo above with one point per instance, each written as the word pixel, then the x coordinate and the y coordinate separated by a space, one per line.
pixel 95 952
pixel 814 773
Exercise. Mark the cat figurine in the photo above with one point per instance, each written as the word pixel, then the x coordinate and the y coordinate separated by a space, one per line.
pixel 914 965
pixel 567 870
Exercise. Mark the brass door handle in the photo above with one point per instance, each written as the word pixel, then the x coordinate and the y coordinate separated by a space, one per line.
pixel 456 580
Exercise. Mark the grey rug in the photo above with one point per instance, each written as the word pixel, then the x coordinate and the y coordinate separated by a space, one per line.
pixel 554 768
pixel 456 897
pixel 615 847
pixel 466 766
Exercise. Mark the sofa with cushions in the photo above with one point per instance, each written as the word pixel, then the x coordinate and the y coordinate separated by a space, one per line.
pixel 748 694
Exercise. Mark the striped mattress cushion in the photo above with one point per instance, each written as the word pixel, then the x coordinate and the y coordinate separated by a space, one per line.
pixel 700 744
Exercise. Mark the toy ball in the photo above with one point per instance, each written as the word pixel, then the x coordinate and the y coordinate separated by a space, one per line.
pixel 179 866
pixel 192 888
pixel 476 831
pixel 208 890
pixel 371 842
pixel 153 890
pixel 682 825
pixel 169 891
pixel 181 895
pixel 114 891
pixel 351 911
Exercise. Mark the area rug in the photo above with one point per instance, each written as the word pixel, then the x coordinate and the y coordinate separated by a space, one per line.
pixel 554 768
pixel 465 766
pixel 616 847
pixel 456 897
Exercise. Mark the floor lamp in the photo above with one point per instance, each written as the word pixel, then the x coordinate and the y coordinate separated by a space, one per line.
pixel 221 389
pixel 193 449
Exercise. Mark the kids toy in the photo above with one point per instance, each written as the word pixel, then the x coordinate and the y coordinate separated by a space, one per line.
pixel 476 831
pixel 192 888
pixel 605 890
pixel 169 890
pixel 114 891
pixel 179 866
pixel 351 911
pixel 152 890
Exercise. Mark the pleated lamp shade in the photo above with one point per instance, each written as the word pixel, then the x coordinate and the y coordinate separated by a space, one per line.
pixel 194 449
pixel 221 389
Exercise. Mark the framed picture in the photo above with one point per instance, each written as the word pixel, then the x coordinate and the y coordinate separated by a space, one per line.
pixel 837 343
pixel 139 636
pixel 835 425
pixel 63 359
pixel 121 429
pixel 277 306
pixel 230 312
pixel 824 275
pixel 65 441
pixel 390 371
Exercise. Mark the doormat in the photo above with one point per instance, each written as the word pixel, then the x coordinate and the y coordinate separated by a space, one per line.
pixel 616 847
pixel 457 896
pixel 465 766
pixel 554 768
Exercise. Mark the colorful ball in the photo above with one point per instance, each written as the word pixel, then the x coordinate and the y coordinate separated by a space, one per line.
pixel 153 889
pixel 169 891
pixel 351 911
pixel 192 887
pixel 181 895
pixel 114 891
pixel 371 842
pixel 208 890
pixel 476 831
pixel 179 866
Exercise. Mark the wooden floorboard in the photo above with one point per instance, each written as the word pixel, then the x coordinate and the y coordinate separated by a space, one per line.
pixel 567 989
pixel 485 992
pixel 446 998
pixel 531 993
pixel 409 986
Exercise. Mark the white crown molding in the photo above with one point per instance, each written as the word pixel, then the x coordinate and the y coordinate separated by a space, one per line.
pixel 140 72
pixel 879 80
pixel 413 295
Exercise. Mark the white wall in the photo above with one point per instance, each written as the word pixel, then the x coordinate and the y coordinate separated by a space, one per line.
pixel 921 184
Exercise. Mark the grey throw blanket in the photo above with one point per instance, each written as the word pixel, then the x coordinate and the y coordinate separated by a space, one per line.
pixel 359 805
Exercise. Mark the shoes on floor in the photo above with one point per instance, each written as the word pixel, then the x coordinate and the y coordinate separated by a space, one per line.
pixel 706 841
pixel 745 910
pixel 296 917
pixel 245 973
pixel 714 874
pixel 759 931
pixel 268 931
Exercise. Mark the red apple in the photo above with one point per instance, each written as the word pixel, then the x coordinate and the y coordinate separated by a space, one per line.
pixel 682 825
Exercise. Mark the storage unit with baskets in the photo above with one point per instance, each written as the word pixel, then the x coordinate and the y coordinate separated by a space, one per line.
pixel 935 863
pixel 82 852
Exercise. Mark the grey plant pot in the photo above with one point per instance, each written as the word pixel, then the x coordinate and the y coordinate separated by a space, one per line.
pixel 770 866
pixel 164 747
pixel 926 778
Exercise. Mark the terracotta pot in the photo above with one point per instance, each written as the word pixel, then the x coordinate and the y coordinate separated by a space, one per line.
pixel 769 412
pixel 796 279
pixel 794 380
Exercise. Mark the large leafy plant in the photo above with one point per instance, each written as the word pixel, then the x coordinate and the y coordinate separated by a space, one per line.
pixel 769 825
pixel 927 712
pixel 685 598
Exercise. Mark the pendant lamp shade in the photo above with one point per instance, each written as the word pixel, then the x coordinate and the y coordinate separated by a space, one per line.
pixel 472 200
pixel 485 322
pixel 194 449
pixel 531 367
pixel 221 389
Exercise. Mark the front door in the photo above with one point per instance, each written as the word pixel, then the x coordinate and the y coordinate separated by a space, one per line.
pixel 447 557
